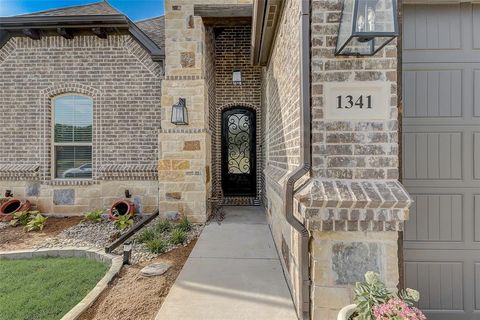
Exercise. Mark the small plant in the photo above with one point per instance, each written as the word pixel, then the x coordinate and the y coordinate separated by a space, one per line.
pixel 94 216
pixel 397 309
pixel 146 235
pixel 163 226
pixel 184 225
pixel 375 302
pixel 156 246
pixel 123 222
pixel 22 218
pixel 36 223
pixel 178 237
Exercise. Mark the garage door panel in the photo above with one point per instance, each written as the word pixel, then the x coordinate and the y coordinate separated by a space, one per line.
pixel 428 29
pixel 476 208
pixel 476 26
pixel 476 90
pixel 477 286
pixel 439 93
pixel 440 284
pixel 441 157
pixel 476 155
pixel 433 156
pixel 435 217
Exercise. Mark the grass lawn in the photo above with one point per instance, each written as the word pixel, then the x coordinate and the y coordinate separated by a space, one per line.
pixel 45 288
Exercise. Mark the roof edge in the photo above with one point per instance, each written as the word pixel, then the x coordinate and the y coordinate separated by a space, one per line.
pixel 60 8
pixel 266 15
pixel 18 23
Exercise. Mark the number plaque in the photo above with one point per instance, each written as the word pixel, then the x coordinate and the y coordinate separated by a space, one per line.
pixel 357 100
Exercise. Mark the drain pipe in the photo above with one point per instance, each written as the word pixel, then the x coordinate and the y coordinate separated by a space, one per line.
pixel 305 160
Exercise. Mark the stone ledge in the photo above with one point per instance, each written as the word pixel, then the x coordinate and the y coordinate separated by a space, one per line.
pixel 115 262
pixel 353 205
pixel 349 194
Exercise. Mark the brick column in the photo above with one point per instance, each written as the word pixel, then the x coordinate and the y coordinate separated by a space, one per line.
pixel 354 206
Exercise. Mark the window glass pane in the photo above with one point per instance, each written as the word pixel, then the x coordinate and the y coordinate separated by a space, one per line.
pixel 64 119
pixel 73 162
pixel 73 119
pixel 238 143
pixel 83 119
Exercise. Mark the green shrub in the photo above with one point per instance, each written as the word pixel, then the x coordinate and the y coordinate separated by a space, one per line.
pixel 156 245
pixel 146 235
pixel 178 237
pixel 184 225
pixel 373 292
pixel 94 216
pixel 123 222
pixel 36 223
pixel 22 218
pixel 163 226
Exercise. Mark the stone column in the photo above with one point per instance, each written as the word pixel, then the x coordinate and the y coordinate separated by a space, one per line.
pixel 184 161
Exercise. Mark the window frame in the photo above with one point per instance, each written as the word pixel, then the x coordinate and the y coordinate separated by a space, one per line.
pixel 54 144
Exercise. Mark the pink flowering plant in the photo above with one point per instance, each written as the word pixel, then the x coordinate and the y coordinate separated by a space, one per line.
pixel 375 302
pixel 397 309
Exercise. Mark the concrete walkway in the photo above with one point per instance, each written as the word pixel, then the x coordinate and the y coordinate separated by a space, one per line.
pixel 233 273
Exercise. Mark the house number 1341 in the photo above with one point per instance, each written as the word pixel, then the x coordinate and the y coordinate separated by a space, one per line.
pixel 349 101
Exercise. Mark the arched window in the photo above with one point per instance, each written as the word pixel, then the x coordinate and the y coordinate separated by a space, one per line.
pixel 72 143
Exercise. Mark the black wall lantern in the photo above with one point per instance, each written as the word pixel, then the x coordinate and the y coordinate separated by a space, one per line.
pixel 366 27
pixel 179 112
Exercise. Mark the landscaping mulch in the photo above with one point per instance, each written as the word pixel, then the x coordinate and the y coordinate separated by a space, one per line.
pixel 135 297
pixel 100 234
pixel 15 238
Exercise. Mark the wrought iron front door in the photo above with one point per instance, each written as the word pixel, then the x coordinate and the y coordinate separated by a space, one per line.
pixel 238 152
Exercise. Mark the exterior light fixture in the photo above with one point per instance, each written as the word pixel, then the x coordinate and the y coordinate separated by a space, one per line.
pixel 179 112
pixel 127 252
pixel 366 27
pixel 237 77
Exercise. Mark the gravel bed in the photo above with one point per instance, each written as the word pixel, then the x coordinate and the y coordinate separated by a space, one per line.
pixel 3 225
pixel 101 234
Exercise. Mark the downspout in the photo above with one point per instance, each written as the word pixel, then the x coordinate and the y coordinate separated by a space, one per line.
pixel 305 160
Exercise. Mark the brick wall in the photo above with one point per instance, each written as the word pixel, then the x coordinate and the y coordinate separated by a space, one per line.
pixel 232 52
pixel 125 85
pixel 116 72
pixel 281 105
pixel 346 149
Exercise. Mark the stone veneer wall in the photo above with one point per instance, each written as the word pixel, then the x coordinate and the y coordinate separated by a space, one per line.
pixel 232 51
pixel 354 205
pixel 281 105
pixel 124 84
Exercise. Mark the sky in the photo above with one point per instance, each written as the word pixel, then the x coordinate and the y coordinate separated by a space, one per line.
pixel 134 9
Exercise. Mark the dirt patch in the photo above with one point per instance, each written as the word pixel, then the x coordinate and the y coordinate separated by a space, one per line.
pixel 16 238
pixel 132 296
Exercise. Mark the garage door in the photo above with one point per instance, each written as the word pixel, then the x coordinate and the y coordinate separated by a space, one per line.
pixel 441 157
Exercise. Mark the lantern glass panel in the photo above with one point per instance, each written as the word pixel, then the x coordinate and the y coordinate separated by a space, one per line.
pixel 366 26
pixel 346 24
pixel 179 113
